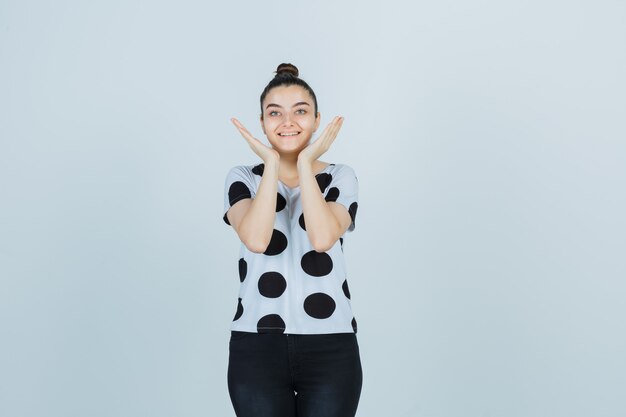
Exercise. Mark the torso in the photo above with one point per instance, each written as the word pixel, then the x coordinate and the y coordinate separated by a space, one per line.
pixel 291 288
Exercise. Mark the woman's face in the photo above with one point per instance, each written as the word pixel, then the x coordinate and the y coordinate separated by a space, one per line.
pixel 289 118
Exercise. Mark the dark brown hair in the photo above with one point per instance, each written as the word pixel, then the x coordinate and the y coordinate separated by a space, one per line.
pixel 286 75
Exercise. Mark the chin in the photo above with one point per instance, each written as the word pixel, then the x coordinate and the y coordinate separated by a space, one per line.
pixel 288 151
pixel 289 147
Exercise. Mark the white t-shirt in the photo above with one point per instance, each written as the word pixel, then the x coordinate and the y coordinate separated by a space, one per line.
pixel 291 288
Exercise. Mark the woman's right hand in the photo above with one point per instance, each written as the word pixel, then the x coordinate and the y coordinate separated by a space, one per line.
pixel 267 154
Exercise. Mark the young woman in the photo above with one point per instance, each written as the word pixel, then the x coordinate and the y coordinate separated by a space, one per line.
pixel 293 349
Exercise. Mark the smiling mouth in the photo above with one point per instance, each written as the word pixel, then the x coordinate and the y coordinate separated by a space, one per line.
pixel 288 135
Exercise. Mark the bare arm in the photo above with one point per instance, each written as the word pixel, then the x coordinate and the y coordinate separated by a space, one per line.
pixel 253 218
pixel 325 221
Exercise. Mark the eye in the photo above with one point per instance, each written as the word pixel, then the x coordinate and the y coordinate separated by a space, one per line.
pixel 302 110
pixel 272 112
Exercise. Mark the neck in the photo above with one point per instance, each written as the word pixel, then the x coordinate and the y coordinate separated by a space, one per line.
pixel 288 165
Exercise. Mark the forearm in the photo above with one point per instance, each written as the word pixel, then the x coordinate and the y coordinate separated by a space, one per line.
pixel 322 227
pixel 258 224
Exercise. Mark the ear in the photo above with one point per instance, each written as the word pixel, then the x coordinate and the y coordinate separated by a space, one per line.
pixel 262 125
pixel 318 118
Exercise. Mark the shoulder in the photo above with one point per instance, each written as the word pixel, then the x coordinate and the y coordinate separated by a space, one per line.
pixel 248 170
pixel 340 169
pixel 243 180
pixel 241 168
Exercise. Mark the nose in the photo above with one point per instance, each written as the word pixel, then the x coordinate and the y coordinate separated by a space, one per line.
pixel 287 119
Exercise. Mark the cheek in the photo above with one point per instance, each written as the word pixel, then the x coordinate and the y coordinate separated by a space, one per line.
pixel 308 123
pixel 269 126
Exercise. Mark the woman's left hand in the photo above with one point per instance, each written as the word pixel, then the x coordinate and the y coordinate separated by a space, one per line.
pixel 322 144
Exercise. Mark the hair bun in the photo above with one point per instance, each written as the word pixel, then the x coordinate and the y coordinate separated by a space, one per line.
pixel 287 69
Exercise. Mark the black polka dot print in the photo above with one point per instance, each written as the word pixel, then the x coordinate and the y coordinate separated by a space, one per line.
pixel 278 243
pixel 316 263
pixel 239 312
pixel 271 323
pixel 272 284
pixel 276 294
pixel 345 288
pixel 323 180
pixel 332 195
pixel 238 191
pixel 319 305
pixel 281 203
pixel 258 170
pixel 352 210
pixel 243 269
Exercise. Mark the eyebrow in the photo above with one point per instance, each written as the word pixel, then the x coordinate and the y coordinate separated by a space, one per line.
pixel 276 105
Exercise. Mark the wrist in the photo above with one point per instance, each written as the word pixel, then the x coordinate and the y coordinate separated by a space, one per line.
pixel 273 166
pixel 303 163
pixel 273 160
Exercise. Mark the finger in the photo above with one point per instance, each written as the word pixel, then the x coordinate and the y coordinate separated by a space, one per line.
pixel 327 133
pixel 334 132
pixel 326 130
pixel 239 126
pixel 244 132
pixel 236 122
pixel 332 126
pixel 339 124
pixel 336 125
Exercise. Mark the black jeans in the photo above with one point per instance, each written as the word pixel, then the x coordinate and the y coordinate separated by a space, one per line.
pixel 303 375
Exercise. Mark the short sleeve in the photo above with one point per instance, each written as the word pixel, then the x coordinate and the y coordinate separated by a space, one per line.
pixel 344 189
pixel 237 186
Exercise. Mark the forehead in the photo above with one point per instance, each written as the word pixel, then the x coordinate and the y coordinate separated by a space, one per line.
pixel 287 96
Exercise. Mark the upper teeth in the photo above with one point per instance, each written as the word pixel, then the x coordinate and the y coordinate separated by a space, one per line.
pixel 288 134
